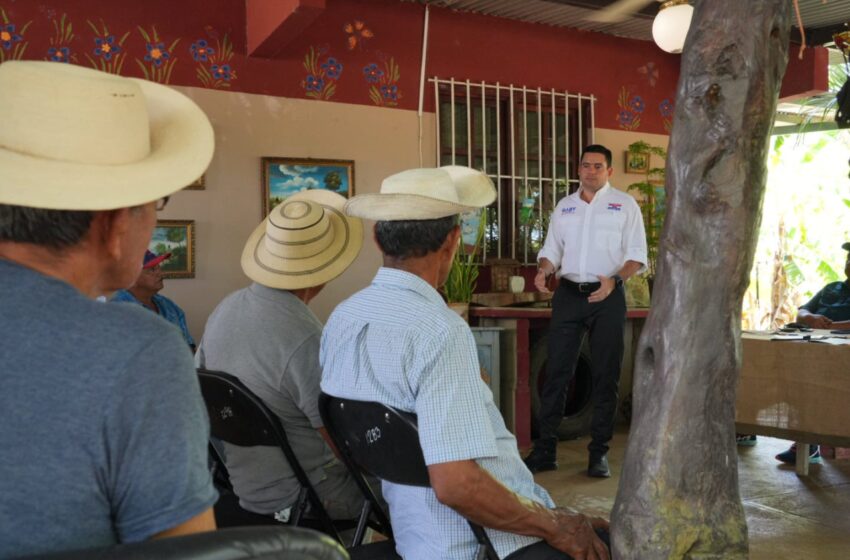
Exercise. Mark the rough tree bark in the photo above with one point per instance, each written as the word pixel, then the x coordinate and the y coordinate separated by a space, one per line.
pixel 678 494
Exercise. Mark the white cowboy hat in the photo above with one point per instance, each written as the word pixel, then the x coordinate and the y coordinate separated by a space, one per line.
pixel 425 194
pixel 306 241
pixel 74 138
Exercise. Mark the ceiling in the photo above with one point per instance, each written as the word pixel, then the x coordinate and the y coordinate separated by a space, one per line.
pixel 820 19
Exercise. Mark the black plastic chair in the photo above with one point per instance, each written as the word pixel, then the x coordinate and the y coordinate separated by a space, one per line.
pixel 239 417
pixel 235 543
pixel 383 441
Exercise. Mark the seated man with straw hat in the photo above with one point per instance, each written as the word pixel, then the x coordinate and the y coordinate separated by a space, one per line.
pixel 397 342
pixel 267 337
pixel 104 432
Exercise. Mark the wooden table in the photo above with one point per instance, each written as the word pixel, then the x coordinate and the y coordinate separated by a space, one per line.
pixel 518 322
pixel 794 390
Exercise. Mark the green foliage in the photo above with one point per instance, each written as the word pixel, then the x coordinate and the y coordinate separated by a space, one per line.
pixel 652 203
pixel 463 274
pixel 333 181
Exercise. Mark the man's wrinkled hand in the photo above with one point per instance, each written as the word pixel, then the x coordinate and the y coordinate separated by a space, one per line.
pixel 576 536
pixel 606 286
pixel 816 321
pixel 541 281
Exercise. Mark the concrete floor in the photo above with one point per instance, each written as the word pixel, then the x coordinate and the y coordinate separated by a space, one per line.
pixel 789 517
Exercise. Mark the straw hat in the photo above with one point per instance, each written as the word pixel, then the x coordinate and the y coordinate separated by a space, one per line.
pixel 74 138
pixel 306 241
pixel 425 194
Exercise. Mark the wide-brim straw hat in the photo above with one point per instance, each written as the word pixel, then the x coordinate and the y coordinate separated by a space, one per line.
pixel 306 241
pixel 425 194
pixel 74 138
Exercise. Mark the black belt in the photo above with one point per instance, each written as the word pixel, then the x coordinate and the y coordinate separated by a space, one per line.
pixel 580 287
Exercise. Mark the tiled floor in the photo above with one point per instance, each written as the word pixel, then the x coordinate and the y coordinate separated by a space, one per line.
pixel 789 517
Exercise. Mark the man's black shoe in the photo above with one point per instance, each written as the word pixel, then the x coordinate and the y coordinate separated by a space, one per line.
pixel 597 467
pixel 540 460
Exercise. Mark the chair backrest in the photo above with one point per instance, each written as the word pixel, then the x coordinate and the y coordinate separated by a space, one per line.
pixel 384 441
pixel 234 543
pixel 239 417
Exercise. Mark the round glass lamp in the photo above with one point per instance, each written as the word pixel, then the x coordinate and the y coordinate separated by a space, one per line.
pixel 671 25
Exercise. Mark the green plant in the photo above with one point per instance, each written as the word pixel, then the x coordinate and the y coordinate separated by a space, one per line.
pixel 463 274
pixel 652 202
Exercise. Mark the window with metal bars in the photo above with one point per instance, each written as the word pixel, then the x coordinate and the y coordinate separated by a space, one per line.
pixel 527 140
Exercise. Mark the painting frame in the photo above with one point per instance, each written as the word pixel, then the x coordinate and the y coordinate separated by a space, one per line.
pixel 182 247
pixel 637 162
pixel 284 176
pixel 198 184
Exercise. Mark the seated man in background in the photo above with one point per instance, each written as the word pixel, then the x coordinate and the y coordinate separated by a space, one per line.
pixel 104 435
pixel 398 343
pixel 829 309
pixel 267 337
pixel 145 292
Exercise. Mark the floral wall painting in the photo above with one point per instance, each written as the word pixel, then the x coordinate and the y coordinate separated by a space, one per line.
pixel 108 53
pixel 283 177
pixel 383 82
pixel 159 61
pixel 665 109
pixel 214 66
pixel 631 108
pixel 637 162
pixel 357 32
pixel 59 49
pixel 322 74
pixel 178 238
pixel 650 72
pixel 13 44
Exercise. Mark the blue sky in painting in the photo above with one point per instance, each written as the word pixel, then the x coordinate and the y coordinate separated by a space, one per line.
pixel 286 180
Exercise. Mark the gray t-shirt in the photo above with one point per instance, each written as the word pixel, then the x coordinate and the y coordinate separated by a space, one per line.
pixel 104 433
pixel 269 339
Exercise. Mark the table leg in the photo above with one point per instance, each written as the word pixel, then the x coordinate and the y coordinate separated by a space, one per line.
pixel 522 397
pixel 802 459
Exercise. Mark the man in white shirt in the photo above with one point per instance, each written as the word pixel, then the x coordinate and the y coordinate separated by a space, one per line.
pixel 595 242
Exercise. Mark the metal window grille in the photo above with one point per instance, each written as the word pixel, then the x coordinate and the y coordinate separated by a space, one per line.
pixel 528 140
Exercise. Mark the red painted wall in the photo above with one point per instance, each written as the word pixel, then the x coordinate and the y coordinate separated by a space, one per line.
pixel 170 41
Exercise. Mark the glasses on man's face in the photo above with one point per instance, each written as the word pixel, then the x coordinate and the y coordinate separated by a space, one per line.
pixel 161 203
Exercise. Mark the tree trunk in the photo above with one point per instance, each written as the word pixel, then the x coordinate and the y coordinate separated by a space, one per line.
pixel 678 494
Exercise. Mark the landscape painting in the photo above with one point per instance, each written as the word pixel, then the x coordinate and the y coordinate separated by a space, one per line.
pixel 283 177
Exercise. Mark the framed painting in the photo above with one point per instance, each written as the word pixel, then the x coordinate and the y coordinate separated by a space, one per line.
pixel 196 185
pixel 178 238
pixel 637 162
pixel 283 177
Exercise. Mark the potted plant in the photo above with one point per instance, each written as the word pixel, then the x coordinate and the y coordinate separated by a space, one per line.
pixel 463 274
pixel 652 203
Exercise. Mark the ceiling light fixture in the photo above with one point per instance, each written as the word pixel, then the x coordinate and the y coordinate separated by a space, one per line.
pixel 671 25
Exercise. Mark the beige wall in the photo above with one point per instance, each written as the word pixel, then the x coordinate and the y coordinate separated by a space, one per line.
pixel 248 127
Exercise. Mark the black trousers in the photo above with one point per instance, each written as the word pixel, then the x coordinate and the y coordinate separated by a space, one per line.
pixel 605 323
pixel 542 551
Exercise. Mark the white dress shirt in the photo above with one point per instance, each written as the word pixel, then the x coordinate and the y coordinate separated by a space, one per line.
pixel 588 239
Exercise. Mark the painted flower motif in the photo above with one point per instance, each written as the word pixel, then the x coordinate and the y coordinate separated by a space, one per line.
pixel 106 47
pixel 333 68
pixel 372 73
pixel 157 54
pixel 314 83
pixel 665 108
pixel 390 93
pixel 60 54
pixel 636 104
pixel 625 118
pixel 8 37
pixel 201 51
pixel 222 72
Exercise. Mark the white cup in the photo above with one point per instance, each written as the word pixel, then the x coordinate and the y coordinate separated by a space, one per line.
pixel 517 284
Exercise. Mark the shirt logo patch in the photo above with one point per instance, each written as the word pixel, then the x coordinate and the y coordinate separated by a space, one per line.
pixel 570 210
pixel 616 207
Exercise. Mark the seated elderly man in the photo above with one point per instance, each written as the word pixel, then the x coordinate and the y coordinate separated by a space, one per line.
pixel 104 432
pixel 145 292
pixel 267 337
pixel 397 342
pixel 829 309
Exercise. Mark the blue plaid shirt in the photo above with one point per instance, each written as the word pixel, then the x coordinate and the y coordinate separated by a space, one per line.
pixel 396 342
pixel 168 310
